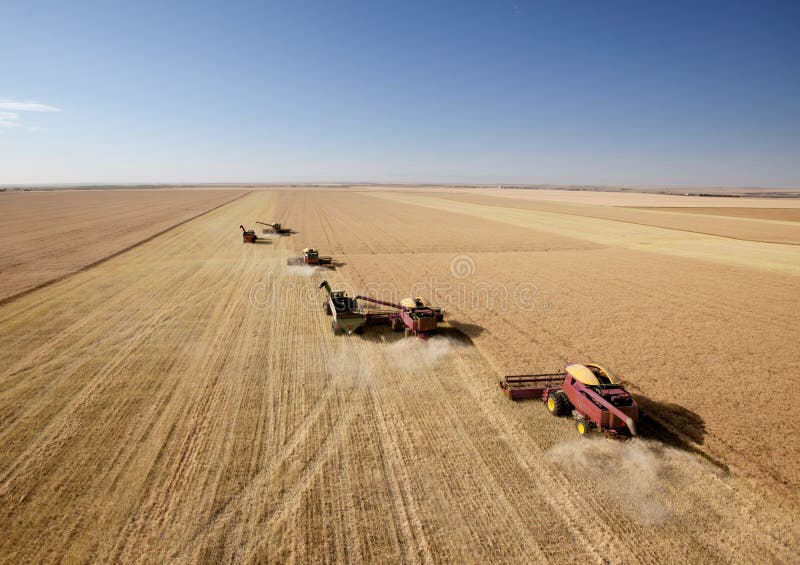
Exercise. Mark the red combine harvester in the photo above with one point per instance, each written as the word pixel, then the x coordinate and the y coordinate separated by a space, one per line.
pixel 590 393
pixel 311 257
pixel 412 316
pixel 248 236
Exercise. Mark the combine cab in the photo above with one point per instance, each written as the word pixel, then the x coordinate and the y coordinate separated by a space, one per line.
pixel 311 257
pixel 248 236
pixel 274 229
pixel 590 393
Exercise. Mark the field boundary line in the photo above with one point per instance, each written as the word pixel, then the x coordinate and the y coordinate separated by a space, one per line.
pixel 117 253
pixel 638 223
pixel 762 256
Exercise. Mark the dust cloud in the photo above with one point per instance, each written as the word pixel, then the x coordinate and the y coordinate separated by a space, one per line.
pixel 414 354
pixel 638 474
pixel 302 270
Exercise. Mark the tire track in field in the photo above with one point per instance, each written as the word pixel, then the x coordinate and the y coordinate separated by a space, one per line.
pixel 401 489
pixel 202 414
pixel 146 343
pixel 261 481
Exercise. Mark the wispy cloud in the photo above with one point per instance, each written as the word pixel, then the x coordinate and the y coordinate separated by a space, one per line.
pixel 9 116
pixel 6 104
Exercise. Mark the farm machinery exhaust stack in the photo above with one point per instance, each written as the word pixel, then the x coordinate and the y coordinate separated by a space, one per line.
pixel 590 393
pixel 412 316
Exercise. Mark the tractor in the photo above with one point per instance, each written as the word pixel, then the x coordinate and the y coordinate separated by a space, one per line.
pixel 248 236
pixel 348 316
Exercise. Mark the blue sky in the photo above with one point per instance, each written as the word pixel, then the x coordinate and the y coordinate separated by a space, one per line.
pixel 595 92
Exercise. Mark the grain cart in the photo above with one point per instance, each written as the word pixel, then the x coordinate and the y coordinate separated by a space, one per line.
pixel 348 316
pixel 591 394
pixel 248 236
pixel 275 229
pixel 311 256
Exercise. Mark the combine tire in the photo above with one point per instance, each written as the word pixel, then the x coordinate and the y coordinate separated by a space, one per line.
pixel 397 325
pixel 582 426
pixel 557 403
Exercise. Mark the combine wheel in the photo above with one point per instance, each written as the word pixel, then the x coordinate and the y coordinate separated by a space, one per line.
pixel 582 426
pixel 558 403
pixel 397 325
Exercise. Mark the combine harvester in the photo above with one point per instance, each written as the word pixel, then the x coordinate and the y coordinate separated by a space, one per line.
pixel 312 258
pixel 412 316
pixel 590 393
pixel 274 229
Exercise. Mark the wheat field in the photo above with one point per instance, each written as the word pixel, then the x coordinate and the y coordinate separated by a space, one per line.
pixel 187 401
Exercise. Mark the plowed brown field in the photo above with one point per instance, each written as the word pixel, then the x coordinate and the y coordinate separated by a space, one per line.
pixel 47 235
pixel 189 402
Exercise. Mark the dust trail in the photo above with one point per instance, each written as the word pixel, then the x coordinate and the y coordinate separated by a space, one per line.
pixel 303 270
pixel 349 365
pixel 637 474
pixel 413 354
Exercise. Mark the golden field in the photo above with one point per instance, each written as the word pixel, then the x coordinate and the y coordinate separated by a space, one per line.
pixel 47 235
pixel 186 399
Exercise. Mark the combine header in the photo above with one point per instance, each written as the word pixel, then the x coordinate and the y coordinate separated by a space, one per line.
pixel 411 316
pixel 248 236
pixel 312 257
pixel 275 229
pixel 590 393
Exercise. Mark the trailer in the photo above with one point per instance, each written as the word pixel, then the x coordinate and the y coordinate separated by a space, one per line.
pixel 346 314
pixel 590 393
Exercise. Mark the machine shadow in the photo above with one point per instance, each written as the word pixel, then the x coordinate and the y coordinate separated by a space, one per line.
pixel 462 331
pixel 686 430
